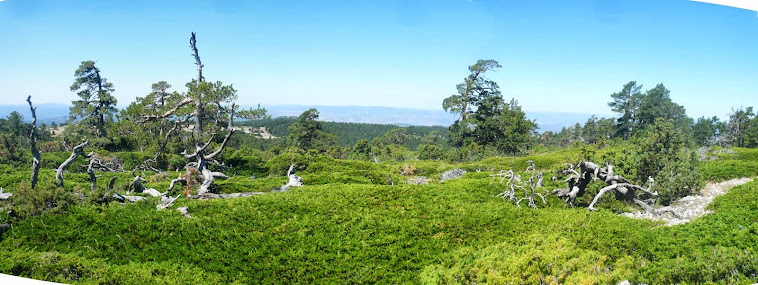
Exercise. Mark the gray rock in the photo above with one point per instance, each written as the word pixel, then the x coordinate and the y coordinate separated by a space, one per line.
pixel 452 174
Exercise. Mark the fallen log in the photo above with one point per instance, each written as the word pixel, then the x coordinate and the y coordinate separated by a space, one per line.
pixel 209 196
pixel 588 172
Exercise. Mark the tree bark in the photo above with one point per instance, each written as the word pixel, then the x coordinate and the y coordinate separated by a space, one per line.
pixel 36 157
pixel 198 128
pixel 96 164
pixel 180 179
pixel 209 196
pixel 294 180
pixel 202 159
pixel 77 151
pixel 590 171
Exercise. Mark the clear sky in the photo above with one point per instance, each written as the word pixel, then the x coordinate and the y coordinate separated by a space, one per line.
pixel 565 56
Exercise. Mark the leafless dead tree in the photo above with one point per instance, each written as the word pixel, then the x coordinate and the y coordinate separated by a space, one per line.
pixel 33 143
pixel 96 163
pixel 530 187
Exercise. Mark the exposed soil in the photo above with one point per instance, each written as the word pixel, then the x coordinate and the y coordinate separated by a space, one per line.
pixel 691 207
pixel 261 132
pixel 58 131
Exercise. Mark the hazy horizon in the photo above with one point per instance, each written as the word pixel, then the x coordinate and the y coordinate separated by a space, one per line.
pixel 547 121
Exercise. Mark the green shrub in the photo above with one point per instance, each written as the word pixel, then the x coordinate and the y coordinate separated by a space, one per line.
pixel 663 152
pixel 46 198
pixel 75 269
pixel 746 154
pixel 720 170
pixel 537 259
pixel 281 163
pixel 325 170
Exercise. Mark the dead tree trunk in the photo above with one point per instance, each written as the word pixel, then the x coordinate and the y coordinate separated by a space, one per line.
pixel 294 180
pixel 91 173
pixel 588 172
pixel 77 151
pixel 198 128
pixel 112 183
pixel 534 183
pixel 624 188
pixel 33 143
pixel 96 163
pixel 201 159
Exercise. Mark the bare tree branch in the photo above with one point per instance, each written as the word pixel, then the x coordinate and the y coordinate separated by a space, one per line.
pixel 168 113
pixel 77 151
pixel 590 171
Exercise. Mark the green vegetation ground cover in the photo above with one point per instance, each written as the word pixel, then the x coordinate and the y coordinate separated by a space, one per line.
pixel 357 220
pixel 354 231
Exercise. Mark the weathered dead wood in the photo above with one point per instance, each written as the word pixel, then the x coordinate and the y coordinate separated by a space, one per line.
pixel 589 171
pixel 112 184
pixel 96 163
pixel 109 195
pixel 511 185
pixel 529 187
pixel 180 179
pixel 198 128
pixel 136 186
pixel 77 151
pixel 169 113
pixel 624 188
pixel 125 198
pixel 294 180
pixel 210 196
pixel 3 195
pixel 208 178
pixel 202 159
pixel 166 202
pixel 184 212
pixel 36 157
pixel 193 46
pixel 534 183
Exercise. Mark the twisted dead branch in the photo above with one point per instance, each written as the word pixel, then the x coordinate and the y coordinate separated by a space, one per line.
pixel 77 151
pixel 514 181
pixel 590 171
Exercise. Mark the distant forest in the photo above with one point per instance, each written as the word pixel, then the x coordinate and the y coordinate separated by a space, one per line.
pixel 349 133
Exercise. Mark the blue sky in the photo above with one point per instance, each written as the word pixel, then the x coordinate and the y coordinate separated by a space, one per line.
pixel 564 56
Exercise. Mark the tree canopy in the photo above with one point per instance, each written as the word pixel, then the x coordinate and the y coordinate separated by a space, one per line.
pixel 307 132
pixel 485 118
pixel 96 105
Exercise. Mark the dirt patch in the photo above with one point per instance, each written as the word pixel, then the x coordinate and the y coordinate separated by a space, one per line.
pixel 689 208
pixel 261 132
pixel 58 131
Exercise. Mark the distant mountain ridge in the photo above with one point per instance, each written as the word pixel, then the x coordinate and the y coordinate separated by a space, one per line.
pixel 547 121
pixel 46 113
